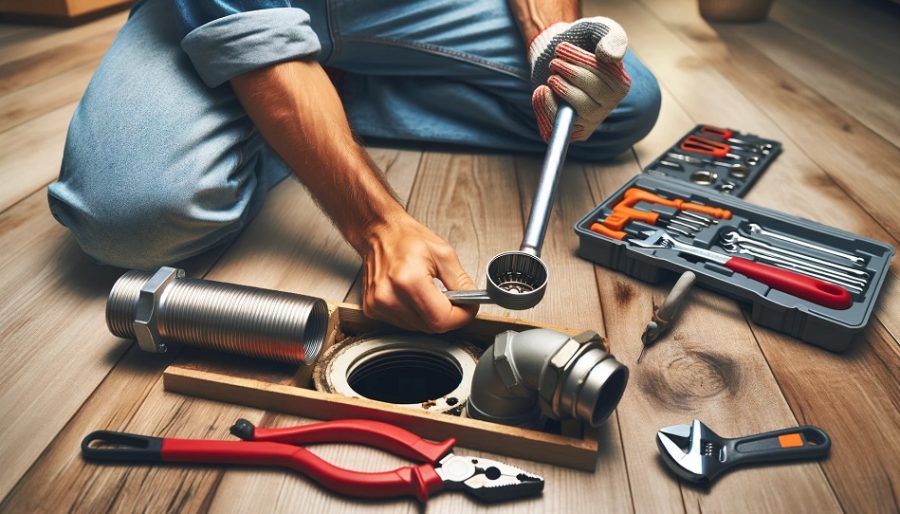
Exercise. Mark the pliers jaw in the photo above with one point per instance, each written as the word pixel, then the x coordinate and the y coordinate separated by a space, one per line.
pixel 694 452
pixel 487 479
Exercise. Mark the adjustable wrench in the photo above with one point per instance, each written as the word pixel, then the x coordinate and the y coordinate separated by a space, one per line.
pixel 707 454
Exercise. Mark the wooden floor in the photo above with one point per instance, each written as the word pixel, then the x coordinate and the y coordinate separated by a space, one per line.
pixel 823 77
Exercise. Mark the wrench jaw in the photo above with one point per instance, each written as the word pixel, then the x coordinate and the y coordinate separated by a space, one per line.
pixel 652 239
pixel 693 452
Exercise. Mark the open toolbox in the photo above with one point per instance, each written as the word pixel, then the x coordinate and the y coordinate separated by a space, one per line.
pixel 855 264
pixel 722 159
pixel 288 388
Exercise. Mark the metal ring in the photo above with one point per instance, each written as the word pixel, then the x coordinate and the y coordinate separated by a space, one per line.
pixel 738 173
pixel 704 177
pixel 356 359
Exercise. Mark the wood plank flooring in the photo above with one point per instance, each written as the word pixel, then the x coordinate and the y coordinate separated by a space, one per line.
pixel 821 78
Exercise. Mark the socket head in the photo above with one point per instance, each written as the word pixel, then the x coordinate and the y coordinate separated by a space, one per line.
pixel 516 280
pixel 146 312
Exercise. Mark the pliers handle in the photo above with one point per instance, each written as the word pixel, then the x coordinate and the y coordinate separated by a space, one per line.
pixel 702 145
pixel 278 447
pixel 376 434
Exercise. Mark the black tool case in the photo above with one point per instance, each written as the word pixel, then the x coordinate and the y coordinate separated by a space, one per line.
pixel 829 328
pixel 718 172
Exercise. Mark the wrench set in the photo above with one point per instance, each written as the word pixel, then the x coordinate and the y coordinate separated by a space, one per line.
pixel 723 159
pixel 814 282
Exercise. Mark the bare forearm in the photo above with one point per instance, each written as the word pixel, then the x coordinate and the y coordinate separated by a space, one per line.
pixel 299 113
pixel 534 16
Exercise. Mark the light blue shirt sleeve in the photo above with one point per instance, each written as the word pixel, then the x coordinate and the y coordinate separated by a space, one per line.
pixel 225 38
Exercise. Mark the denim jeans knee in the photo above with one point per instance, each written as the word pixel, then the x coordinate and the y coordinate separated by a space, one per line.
pixel 157 166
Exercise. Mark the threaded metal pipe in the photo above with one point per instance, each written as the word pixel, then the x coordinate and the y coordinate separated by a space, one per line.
pixel 165 306
pixel 122 302
pixel 539 373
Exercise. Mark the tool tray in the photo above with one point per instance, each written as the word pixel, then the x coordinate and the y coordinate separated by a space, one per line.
pixel 829 328
pixel 741 181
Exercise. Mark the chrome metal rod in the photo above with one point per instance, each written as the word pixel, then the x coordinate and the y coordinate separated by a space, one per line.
pixel 546 190
pixel 469 296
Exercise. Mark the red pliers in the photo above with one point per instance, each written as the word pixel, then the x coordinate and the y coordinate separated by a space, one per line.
pixel 702 145
pixel 485 479
pixel 727 135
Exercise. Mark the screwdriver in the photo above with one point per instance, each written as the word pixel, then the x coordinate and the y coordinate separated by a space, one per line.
pixel 664 315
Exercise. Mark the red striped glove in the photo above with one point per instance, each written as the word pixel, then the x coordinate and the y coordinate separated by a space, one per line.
pixel 580 63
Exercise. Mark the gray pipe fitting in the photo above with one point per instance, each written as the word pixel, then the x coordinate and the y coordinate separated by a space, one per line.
pixel 527 376
pixel 156 308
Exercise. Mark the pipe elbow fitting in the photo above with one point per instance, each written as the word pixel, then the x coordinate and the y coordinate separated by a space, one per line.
pixel 527 376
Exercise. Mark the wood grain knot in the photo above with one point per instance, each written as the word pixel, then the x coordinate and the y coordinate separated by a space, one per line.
pixel 624 292
pixel 689 377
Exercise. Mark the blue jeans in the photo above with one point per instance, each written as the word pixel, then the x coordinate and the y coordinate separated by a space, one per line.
pixel 158 166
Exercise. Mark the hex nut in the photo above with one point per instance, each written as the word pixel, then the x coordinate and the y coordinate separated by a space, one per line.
pixel 503 362
pixel 146 312
pixel 558 366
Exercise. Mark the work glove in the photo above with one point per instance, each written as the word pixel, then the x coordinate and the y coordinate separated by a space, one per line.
pixel 581 64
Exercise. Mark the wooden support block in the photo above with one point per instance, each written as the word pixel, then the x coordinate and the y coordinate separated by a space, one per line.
pixel 235 381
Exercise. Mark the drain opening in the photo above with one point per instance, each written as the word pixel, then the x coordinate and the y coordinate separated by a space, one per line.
pixel 404 376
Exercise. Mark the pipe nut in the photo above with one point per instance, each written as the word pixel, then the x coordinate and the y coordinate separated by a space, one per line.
pixel 505 364
pixel 146 314
pixel 558 367
pixel 540 373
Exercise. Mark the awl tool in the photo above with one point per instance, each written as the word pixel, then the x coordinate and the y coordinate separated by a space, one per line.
pixel 697 454
pixel 664 315
pixel 440 469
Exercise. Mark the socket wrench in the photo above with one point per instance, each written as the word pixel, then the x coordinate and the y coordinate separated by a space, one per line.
pixel 517 280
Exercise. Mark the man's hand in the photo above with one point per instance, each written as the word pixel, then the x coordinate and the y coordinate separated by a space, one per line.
pixel 300 114
pixel 580 63
pixel 401 261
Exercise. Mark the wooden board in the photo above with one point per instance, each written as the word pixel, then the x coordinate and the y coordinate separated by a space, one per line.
pixel 58 8
pixel 863 33
pixel 65 382
pixel 29 51
pixel 26 162
pixel 819 387
pixel 130 395
pixel 47 63
pixel 212 382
